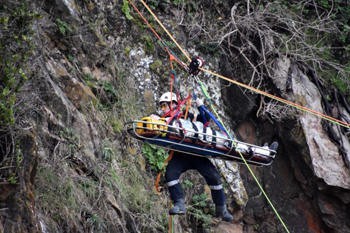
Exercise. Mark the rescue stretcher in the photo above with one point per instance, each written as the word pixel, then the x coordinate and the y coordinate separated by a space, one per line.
pixel 196 141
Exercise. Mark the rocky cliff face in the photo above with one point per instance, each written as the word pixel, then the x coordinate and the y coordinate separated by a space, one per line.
pixel 74 169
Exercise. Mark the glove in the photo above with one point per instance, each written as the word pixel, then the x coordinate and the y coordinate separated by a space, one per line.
pixel 199 102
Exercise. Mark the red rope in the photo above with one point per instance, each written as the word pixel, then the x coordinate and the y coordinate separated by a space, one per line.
pixel 156 34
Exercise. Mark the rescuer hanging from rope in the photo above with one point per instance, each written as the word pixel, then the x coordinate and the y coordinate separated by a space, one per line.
pixel 181 162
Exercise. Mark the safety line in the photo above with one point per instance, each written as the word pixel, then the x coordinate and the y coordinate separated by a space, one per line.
pixel 244 160
pixel 160 23
pixel 305 109
pixel 323 116
pixel 159 38
pixel 178 60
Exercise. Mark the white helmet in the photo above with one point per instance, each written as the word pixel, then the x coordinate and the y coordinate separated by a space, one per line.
pixel 166 97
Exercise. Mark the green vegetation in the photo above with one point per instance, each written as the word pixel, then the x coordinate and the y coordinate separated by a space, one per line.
pixel 198 211
pixel 72 140
pixel 66 197
pixel 16 49
pixel 155 65
pixel 148 41
pixel 340 84
pixel 127 50
pixel 138 198
pixel 155 156
pixel 187 184
pixel 16 61
pixel 64 28
pixel 111 92
pixel 323 36
pixel 126 10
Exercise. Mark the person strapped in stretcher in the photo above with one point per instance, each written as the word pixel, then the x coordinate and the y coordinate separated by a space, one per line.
pixel 181 162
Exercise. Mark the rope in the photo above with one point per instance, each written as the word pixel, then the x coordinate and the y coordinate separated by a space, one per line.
pixel 187 106
pixel 171 222
pixel 158 188
pixel 177 59
pixel 160 23
pixel 313 112
pixel 170 53
pixel 244 160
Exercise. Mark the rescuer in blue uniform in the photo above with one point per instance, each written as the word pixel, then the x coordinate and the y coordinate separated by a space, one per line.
pixel 181 162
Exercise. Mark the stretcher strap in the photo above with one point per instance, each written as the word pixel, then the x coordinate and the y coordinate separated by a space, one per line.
pixel 214 138
pixel 205 134
pixel 213 142
pixel 195 138
pixel 182 130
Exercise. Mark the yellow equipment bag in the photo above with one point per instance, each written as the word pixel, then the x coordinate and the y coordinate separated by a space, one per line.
pixel 148 124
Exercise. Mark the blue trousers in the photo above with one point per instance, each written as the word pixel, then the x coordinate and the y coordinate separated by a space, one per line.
pixel 182 162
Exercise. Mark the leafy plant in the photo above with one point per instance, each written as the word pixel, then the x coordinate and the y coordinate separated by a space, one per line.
pixel 64 28
pixel 110 90
pixel 340 84
pixel 149 45
pixel 187 184
pixel 70 57
pixel 199 203
pixel 126 10
pixel 256 227
pixel 200 200
pixel 127 50
pixel 12 179
pixel 156 156
pixel 155 65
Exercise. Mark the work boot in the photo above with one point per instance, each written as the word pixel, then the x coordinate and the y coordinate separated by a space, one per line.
pixel 179 207
pixel 221 211
pixel 273 146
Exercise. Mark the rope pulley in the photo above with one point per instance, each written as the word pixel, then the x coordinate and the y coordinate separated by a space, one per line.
pixel 195 64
